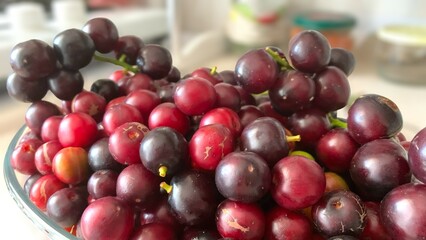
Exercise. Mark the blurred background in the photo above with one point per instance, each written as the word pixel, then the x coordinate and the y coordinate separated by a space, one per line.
pixel 387 37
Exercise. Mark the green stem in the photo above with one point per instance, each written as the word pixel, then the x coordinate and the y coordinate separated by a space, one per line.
pixel 282 61
pixel 119 62
pixel 337 123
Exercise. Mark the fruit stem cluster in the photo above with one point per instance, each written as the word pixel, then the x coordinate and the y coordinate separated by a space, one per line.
pixel 120 62
pixel 282 61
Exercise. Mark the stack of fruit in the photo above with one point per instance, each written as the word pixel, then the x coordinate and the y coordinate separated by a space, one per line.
pixel 257 152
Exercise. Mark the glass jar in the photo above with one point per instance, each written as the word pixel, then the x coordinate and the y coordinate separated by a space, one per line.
pixel 337 27
pixel 401 53
pixel 256 24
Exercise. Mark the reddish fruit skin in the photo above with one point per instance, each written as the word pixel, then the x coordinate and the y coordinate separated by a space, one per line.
pixel 43 188
pixel 77 130
pixel 168 115
pixel 336 149
pixel 256 71
pixel 378 167
pixel 292 191
pixel 285 224
pixel 160 212
pixel 374 228
pixel 44 156
pixel 115 101
pixel 248 114
pixel 195 96
pixel 339 212
pixel 118 115
pixel 144 100
pixel 38 112
pixel 71 165
pixel 119 74
pixel 227 96
pixel 224 116
pixel 124 142
pixel 107 218
pixel 381 118
pixel 206 73
pixel 417 155
pixel 91 103
pixel 209 145
pixel 22 159
pixel 403 212
pixel 154 231
pixel 138 81
pixel 240 221
pixel 50 128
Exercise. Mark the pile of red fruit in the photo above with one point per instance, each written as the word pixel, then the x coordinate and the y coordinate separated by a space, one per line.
pixel 257 152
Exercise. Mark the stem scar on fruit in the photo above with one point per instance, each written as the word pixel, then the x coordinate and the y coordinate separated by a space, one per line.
pixel 168 188
pixel 162 171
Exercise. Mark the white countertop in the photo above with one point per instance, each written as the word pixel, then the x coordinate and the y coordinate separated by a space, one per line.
pixel 410 100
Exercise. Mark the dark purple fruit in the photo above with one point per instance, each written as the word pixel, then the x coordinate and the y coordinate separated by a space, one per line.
pixel 378 167
pixel 339 212
pixel 372 116
pixel 403 212
pixel 243 176
pixel 417 155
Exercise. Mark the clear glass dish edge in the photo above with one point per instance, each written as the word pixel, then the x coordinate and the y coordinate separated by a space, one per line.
pixel 40 219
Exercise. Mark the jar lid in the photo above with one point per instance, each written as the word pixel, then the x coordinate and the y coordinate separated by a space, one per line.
pixel 403 34
pixel 323 20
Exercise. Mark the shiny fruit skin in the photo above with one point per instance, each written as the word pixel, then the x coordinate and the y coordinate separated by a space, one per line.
pixel 373 116
pixel 243 176
pixel 267 137
pixel 309 51
pixel 417 155
pixel 107 218
pixel 334 182
pixel 292 191
pixel 285 224
pixel 200 207
pixel 164 147
pixel 335 150
pixel 374 228
pixel 339 212
pixel 195 96
pixel 71 165
pixel 256 71
pixel 168 115
pixel 224 116
pixel 154 231
pixel 23 156
pixel 378 167
pixel 66 205
pixel 403 212
pixel 240 221
pixel 43 188
pixel 124 142
pixel 77 130
pixel 209 145
pixel 137 185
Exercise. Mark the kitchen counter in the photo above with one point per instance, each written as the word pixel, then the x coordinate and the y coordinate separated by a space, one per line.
pixel 409 99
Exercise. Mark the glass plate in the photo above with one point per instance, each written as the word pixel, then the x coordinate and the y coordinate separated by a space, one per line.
pixel 14 184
